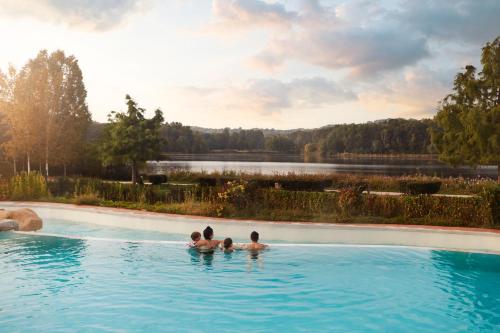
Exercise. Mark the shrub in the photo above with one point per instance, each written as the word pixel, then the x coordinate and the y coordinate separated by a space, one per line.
pixel 420 187
pixel 304 185
pixel 309 202
pixel 350 201
pixel 233 193
pixel 492 194
pixel 61 186
pixel 28 186
pixel 90 199
pixel 157 179
pixel 207 181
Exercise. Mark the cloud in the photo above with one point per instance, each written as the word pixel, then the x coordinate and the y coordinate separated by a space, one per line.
pixel 464 20
pixel 353 35
pixel 267 96
pixel 86 14
pixel 366 37
pixel 362 51
pixel 243 14
pixel 414 93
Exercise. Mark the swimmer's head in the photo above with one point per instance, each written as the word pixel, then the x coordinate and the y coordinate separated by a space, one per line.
pixel 195 236
pixel 228 242
pixel 254 236
pixel 208 233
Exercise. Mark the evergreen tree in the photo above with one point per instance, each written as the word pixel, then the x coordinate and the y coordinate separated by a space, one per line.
pixel 468 122
pixel 131 138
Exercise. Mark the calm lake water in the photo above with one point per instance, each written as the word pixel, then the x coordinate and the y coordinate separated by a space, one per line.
pixel 282 164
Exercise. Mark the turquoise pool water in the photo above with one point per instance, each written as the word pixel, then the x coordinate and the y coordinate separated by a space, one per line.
pixel 57 284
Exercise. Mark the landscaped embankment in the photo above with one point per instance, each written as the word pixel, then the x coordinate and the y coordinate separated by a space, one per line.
pixel 242 199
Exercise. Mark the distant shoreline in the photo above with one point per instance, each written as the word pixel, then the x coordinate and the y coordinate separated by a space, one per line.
pixel 432 157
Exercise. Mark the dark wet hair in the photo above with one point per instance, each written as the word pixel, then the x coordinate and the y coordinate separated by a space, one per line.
pixel 228 242
pixel 195 235
pixel 208 233
pixel 254 236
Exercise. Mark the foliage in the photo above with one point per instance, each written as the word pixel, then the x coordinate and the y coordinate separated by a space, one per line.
pixel 303 184
pixel 182 139
pixel 456 211
pixel 492 194
pixel 349 201
pixel 238 199
pixel 280 143
pixel 233 193
pixel 45 111
pixel 28 186
pixel 335 181
pixel 116 191
pixel 90 199
pixel 297 183
pixel 468 122
pixel 131 138
pixel 420 187
pixel 157 179
pixel 380 137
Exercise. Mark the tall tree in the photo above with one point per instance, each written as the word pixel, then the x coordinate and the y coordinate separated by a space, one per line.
pixel 131 138
pixel 46 113
pixel 468 122
pixel 70 116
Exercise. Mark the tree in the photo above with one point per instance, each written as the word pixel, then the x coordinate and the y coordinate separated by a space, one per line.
pixel 71 118
pixel 131 138
pixel 45 110
pixel 468 121
pixel 280 144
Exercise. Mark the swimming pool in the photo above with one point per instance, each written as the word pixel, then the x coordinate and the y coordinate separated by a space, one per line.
pixel 105 279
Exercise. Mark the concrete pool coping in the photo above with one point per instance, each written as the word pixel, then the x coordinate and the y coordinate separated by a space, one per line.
pixel 438 237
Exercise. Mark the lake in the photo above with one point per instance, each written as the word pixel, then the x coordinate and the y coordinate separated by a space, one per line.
pixel 283 164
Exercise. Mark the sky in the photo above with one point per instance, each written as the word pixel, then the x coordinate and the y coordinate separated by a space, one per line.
pixel 258 63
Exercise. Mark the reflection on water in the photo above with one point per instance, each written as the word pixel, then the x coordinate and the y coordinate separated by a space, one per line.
pixel 50 253
pixel 206 259
pixel 201 258
pixel 283 164
pixel 254 259
pixel 470 280
pixel 33 256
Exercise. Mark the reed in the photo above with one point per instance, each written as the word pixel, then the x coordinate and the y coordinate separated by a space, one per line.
pixel 28 186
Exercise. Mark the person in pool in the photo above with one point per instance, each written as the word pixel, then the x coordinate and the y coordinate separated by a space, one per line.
pixel 208 244
pixel 228 246
pixel 255 245
pixel 195 238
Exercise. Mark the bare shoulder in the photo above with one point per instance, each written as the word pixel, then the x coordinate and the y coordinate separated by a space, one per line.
pixel 202 242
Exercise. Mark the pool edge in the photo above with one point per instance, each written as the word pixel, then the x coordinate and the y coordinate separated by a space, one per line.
pixel 439 237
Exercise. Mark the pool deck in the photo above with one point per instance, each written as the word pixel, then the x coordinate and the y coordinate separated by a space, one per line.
pixel 437 237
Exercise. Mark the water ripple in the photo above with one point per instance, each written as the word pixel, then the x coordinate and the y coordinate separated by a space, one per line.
pixel 53 284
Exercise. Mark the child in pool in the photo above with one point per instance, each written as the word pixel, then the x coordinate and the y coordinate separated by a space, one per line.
pixel 229 246
pixel 195 238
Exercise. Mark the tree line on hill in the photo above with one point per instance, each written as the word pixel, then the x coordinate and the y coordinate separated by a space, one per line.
pixel 45 123
pixel 396 136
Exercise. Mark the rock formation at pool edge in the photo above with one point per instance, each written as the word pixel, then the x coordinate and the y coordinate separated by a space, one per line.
pixel 26 219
